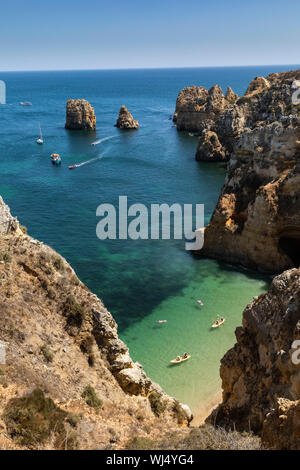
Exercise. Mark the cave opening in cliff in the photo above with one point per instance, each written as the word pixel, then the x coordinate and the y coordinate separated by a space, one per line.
pixel 289 243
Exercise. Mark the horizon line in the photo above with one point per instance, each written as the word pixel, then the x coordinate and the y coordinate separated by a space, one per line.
pixel 148 68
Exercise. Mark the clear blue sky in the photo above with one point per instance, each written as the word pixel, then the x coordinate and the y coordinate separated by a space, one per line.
pixel 78 34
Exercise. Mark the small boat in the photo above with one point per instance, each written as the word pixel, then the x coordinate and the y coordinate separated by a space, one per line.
pixel 162 321
pixel 190 134
pixel 25 103
pixel 71 167
pixel 218 323
pixel 180 359
pixel 40 139
pixel 200 302
pixel 55 158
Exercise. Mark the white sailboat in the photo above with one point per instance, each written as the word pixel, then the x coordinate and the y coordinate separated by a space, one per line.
pixel 40 139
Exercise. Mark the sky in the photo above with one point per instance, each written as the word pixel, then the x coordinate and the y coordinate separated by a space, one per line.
pixel 116 34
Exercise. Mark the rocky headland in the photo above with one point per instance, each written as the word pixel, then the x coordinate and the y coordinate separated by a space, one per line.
pixel 62 345
pixel 220 119
pixel 125 120
pixel 256 223
pixel 261 373
pixel 80 115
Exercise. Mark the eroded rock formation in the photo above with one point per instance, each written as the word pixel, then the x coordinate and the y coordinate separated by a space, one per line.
pixel 80 115
pixel 125 120
pixel 197 109
pixel 256 222
pixel 265 100
pixel 261 373
pixel 61 339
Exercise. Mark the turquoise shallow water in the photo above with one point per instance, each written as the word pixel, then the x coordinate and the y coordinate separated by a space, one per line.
pixel 140 281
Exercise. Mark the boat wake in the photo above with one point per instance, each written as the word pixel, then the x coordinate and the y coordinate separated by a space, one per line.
pixel 99 141
pixel 78 165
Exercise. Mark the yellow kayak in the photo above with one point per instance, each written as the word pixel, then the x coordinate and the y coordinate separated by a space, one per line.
pixel 182 359
pixel 216 325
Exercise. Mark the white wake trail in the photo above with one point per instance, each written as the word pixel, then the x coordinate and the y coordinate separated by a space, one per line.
pixel 89 161
pixel 99 141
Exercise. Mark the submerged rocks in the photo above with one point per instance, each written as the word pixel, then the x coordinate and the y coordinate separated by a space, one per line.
pixel 260 376
pixel 125 120
pixel 80 115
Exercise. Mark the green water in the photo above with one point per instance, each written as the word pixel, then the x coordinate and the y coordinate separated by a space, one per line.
pixel 139 281
pixel 223 292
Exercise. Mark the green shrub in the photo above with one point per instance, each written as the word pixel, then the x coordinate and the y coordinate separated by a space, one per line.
pixel 91 397
pixel 74 280
pixel 158 406
pixel 48 355
pixel 73 419
pixel 58 263
pixel 75 312
pixel 31 420
pixel 140 443
pixel 6 257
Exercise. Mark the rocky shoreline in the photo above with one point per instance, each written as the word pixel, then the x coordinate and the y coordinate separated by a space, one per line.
pixel 256 223
pixel 62 340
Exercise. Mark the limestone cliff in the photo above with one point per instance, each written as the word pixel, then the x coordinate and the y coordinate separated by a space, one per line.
pixel 80 115
pixel 125 120
pixel 266 100
pixel 197 108
pixel 261 373
pixel 257 219
pixel 61 339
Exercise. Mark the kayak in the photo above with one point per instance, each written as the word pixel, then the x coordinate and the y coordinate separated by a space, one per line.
pixel 162 321
pixel 182 359
pixel 216 325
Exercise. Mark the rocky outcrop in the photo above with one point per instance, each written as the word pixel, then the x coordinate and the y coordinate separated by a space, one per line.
pixel 256 222
pixel 80 115
pixel 266 100
pixel 257 219
pixel 7 222
pixel 209 147
pixel 197 109
pixel 125 120
pixel 61 339
pixel 261 373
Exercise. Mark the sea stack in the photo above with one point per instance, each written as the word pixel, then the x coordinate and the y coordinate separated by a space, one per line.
pixel 125 120
pixel 80 115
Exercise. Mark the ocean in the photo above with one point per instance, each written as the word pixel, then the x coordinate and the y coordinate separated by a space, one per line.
pixel 139 281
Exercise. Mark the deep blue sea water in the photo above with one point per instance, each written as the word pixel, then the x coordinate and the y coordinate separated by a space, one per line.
pixel 137 280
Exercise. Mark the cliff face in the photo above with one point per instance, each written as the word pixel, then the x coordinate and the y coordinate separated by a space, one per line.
pixel 197 108
pixel 265 100
pixel 260 374
pixel 80 115
pixel 125 120
pixel 61 339
pixel 257 219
